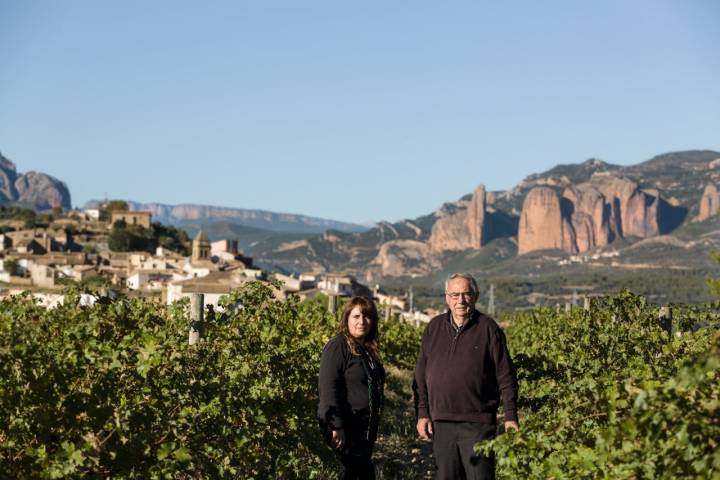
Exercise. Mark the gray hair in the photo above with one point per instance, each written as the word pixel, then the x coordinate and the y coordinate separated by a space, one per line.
pixel 466 276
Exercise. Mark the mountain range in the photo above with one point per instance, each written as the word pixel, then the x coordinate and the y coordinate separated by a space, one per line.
pixel 209 217
pixel 578 229
pixel 570 208
pixel 32 189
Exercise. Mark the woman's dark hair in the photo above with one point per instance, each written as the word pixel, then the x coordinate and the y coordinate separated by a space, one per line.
pixel 370 341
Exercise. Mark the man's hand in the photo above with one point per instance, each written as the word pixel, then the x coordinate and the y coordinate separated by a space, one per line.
pixel 338 439
pixel 511 425
pixel 424 428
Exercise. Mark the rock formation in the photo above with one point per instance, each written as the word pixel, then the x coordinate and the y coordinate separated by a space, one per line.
pixel 460 226
pixel 405 258
pixel 633 212
pixel 8 175
pixel 583 236
pixel 588 215
pixel 542 224
pixel 33 189
pixel 42 191
pixel 590 211
pixel 709 203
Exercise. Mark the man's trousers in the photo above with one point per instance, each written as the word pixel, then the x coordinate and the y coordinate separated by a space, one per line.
pixel 455 458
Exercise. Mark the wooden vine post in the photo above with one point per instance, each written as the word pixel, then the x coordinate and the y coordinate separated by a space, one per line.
pixel 665 318
pixel 332 303
pixel 197 301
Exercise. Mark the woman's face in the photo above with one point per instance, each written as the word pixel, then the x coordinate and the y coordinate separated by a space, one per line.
pixel 358 324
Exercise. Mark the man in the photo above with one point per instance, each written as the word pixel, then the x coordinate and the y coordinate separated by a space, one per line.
pixel 462 371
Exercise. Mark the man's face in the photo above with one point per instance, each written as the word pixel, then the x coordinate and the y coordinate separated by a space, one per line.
pixel 460 297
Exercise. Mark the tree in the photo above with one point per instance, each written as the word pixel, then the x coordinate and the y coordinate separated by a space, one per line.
pixel 127 238
pixel 9 265
pixel 172 238
pixel 107 209
pixel 116 205
pixel 29 218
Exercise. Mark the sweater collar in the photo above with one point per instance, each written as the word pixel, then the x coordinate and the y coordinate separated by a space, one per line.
pixel 473 319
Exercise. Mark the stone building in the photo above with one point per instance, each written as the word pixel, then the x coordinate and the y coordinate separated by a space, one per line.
pixel 142 219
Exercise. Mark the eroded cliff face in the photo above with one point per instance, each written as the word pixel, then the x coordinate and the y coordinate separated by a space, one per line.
pixel 461 226
pixel 709 203
pixel 8 175
pixel 42 191
pixel 542 225
pixel 398 258
pixel 588 215
pixel 633 211
pixel 32 189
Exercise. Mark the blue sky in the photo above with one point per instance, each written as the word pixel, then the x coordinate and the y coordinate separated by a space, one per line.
pixel 353 111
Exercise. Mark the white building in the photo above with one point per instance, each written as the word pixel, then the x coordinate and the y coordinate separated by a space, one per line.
pixel 337 284
pixel 151 280
pixel 213 285
pixel 93 213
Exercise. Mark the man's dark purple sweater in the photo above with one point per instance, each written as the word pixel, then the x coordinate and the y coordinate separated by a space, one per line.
pixel 461 375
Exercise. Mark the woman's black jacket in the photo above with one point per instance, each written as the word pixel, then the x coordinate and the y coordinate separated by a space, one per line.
pixel 350 387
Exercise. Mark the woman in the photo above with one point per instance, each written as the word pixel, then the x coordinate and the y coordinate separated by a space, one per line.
pixel 351 389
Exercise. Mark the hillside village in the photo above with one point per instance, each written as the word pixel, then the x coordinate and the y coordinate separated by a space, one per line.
pixel 74 247
pixel 592 227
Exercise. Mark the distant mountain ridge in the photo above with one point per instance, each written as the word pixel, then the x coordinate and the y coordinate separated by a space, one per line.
pixel 203 215
pixel 574 208
pixel 32 189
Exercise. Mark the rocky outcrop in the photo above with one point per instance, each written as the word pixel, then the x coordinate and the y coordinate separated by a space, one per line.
pixel 399 258
pixel 42 191
pixel 709 203
pixel 542 223
pixel 588 215
pixel 633 211
pixel 32 189
pixel 582 236
pixel 8 175
pixel 461 226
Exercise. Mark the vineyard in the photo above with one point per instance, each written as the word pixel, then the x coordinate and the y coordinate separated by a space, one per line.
pixel 113 390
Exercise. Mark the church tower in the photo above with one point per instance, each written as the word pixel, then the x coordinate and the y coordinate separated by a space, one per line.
pixel 200 249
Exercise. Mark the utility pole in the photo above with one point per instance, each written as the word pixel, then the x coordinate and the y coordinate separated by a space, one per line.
pixel 491 300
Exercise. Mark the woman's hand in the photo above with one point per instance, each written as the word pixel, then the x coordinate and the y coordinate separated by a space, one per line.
pixel 338 439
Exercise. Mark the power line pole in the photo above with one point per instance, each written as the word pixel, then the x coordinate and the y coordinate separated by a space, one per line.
pixel 491 300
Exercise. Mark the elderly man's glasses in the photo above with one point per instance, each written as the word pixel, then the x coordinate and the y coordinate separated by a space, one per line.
pixel 456 295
